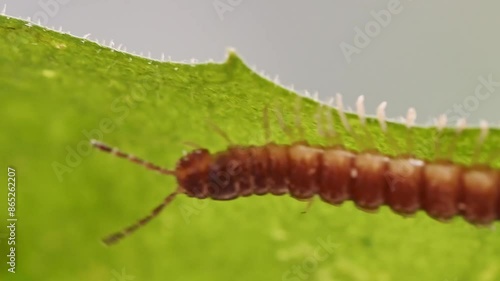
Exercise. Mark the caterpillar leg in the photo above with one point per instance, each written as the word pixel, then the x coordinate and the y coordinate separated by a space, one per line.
pixel 220 132
pixel 308 206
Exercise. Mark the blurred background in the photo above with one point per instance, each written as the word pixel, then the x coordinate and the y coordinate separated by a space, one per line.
pixel 439 57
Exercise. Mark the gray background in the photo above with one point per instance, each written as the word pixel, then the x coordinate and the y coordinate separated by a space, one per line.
pixel 429 56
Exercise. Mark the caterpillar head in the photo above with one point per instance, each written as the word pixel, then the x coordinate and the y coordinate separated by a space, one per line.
pixel 191 171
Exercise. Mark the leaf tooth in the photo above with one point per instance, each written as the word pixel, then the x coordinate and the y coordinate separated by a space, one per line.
pixel 276 80
pixel 461 124
pixel 340 108
pixel 441 122
pixel 360 109
pixel 381 116
pixel 411 116
pixel 331 101
pixel 315 96
pixel 484 127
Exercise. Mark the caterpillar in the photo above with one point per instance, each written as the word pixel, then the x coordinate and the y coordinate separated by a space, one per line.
pixel 370 179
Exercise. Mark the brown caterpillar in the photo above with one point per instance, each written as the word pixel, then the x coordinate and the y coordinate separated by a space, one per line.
pixel 370 179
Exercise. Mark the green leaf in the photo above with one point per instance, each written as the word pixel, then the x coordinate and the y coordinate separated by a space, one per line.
pixel 59 91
